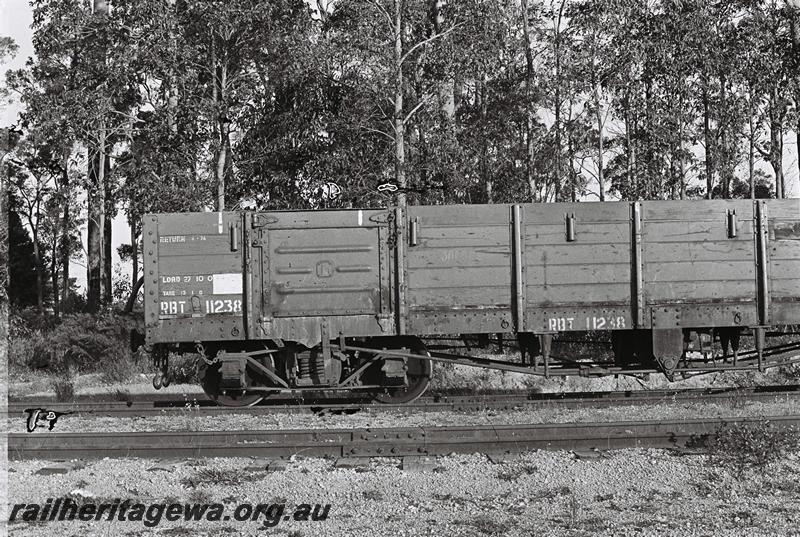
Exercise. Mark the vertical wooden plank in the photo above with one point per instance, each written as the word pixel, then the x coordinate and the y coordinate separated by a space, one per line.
pixel 637 294
pixel 247 273
pixel 762 261
pixel 517 255
pixel 400 259
pixel 253 246
pixel 266 313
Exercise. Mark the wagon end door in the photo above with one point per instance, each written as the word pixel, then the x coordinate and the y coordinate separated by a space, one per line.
pixel 194 277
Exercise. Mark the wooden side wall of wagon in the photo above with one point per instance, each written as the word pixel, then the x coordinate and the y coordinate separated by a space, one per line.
pixel 699 263
pixel 458 270
pixel 577 267
pixel 783 246
pixel 699 275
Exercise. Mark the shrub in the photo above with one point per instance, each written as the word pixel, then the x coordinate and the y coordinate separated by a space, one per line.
pixel 25 334
pixel 745 446
pixel 183 368
pixel 64 387
pixel 83 341
pixel 21 351
pixel 77 342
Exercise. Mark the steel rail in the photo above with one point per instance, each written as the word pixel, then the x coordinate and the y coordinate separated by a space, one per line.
pixel 159 406
pixel 389 442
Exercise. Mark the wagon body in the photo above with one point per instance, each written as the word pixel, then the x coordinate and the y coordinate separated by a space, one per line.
pixel 305 276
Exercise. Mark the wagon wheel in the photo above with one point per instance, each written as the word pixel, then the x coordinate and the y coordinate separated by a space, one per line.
pixel 209 381
pixel 418 374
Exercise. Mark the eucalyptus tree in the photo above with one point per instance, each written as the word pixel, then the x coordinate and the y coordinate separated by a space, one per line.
pixel 8 49
pixel 592 52
pixel 33 172
pixel 385 40
pixel 768 68
pixel 80 86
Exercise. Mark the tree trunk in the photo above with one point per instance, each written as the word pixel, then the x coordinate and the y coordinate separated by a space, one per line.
pixel 5 147
pixel 726 154
pixel 224 134
pixel 37 259
pixel 220 170
pixel 480 102
pixel 776 116
pixel 447 104
pixel 571 174
pixel 751 138
pixel 794 10
pixel 97 194
pixel 529 110
pixel 54 275
pixel 708 143
pixel 134 255
pixel 172 79
pixel 600 151
pixel 458 94
pixel 630 152
pixel 65 227
pixel 447 108
pixel 557 106
pixel 107 259
pixel 96 226
pixel 682 153
pixel 399 120
pixel 652 176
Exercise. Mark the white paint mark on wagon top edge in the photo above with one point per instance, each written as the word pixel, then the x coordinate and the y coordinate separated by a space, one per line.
pixel 219 223
pixel 360 216
pixel 227 284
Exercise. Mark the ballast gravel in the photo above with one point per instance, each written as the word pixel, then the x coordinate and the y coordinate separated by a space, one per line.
pixel 627 492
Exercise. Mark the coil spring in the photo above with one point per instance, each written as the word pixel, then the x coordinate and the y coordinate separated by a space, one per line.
pixel 319 366
pixel 304 364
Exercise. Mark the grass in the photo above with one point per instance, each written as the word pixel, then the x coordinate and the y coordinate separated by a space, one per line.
pixel 64 387
pixel 122 395
pixel 373 495
pixel 122 370
pixel 748 447
pixel 485 525
pixel 551 493
pixel 573 512
pixel 200 496
pixel 515 471
pixel 215 476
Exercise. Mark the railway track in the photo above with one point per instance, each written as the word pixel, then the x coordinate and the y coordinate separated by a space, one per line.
pixel 389 442
pixel 169 404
